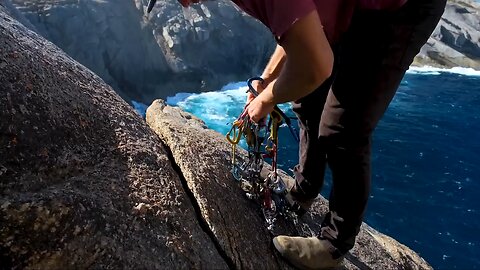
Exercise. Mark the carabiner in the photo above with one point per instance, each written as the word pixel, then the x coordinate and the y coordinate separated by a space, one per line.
pixel 237 130
pixel 250 87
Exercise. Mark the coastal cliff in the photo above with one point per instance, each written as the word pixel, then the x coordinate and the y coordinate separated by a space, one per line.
pixel 456 39
pixel 144 57
pixel 85 182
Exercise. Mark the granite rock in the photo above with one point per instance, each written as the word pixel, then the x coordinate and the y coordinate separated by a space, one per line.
pixel 84 182
pixel 456 39
pixel 204 159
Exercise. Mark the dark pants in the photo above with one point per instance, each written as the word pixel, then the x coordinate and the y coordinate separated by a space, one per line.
pixel 370 63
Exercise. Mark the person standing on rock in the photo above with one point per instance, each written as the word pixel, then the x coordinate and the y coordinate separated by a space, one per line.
pixel 340 62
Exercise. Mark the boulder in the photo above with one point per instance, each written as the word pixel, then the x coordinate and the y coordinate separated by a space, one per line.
pixel 84 182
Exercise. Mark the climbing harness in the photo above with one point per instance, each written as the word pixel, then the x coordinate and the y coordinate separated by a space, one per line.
pixel 262 143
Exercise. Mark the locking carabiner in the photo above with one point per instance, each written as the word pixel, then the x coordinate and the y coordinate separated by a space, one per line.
pixel 250 87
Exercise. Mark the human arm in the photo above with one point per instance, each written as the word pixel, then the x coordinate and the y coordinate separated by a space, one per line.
pixel 271 71
pixel 308 63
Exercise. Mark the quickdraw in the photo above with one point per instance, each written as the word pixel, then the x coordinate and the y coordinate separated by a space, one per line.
pixel 262 142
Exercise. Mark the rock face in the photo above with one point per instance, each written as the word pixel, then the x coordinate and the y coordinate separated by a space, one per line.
pixel 145 57
pixel 85 183
pixel 456 39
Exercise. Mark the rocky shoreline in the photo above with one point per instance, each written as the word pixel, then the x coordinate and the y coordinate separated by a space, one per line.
pixel 144 57
pixel 85 182
pixel 147 57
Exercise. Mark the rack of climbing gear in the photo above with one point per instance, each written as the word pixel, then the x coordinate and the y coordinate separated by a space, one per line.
pixel 262 143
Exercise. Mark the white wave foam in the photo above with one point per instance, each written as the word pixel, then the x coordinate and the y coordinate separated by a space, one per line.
pixel 214 99
pixel 428 70
pixel 217 117
pixel 235 90
pixel 217 108
pixel 234 86
pixel 181 96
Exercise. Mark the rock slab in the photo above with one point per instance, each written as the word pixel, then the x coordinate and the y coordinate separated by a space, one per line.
pixel 84 182
pixel 204 157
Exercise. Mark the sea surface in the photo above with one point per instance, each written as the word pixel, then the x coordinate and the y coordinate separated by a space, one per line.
pixel 426 161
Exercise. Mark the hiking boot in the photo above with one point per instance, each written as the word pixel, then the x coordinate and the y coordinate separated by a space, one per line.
pixel 308 252
pixel 299 206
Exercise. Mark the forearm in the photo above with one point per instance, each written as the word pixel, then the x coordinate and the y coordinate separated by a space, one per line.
pixel 308 62
pixel 292 85
pixel 275 65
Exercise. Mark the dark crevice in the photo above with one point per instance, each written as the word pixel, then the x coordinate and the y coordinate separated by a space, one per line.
pixel 233 250
pixel 201 221
pixel 357 262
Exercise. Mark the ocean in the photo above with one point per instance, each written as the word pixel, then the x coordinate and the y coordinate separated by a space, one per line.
pixel 426 160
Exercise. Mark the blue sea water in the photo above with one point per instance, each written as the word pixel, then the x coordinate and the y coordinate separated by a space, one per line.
pixel 426 162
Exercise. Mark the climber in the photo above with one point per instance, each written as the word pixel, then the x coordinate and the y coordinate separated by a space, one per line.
pixel 339 62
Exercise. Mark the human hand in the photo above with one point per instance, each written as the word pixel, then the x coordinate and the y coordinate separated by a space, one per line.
pixel 260 107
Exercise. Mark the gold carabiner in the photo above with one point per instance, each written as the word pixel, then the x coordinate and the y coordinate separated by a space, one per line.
pixel 237 130
pixel 276 119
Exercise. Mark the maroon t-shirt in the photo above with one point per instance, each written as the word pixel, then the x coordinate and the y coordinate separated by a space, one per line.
pixel 335 15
